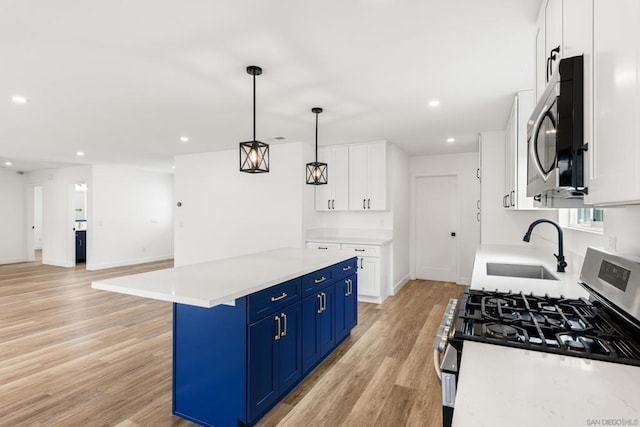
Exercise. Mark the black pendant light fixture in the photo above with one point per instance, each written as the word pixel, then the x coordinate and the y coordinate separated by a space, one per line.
pixel 254 155
pixel 316 171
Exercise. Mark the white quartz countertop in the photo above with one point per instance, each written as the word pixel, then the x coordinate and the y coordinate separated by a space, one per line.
pixel 502 386
pixel 218 282
pixel 567 284
pixel 353 240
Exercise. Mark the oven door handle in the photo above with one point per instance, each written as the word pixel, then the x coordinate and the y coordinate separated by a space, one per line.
pixel 436 363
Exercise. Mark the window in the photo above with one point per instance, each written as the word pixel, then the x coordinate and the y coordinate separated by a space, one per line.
pixel 589 219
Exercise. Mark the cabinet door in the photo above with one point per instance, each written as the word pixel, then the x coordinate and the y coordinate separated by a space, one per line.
pixel 541 58
pixel 351 303
pixel 616 147
pixel 339 178
pixel 288 351
pixel 326 334
pixel 310 327
pixel 358 177
pixel 324 193
pixel 346 306
pixel 553 31
pixel 377 176
pixel 262 375
pixel 369 276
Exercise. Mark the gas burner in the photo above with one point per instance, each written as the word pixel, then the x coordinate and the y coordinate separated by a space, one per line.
pixel 554 322
pixel 496 301
pixel 498 330
pixel 575 345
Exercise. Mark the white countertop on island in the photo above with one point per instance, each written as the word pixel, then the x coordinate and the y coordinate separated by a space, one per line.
pixel 222 281
pixel 502 386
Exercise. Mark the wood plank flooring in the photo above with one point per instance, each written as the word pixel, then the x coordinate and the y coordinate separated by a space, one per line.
pixel 74 356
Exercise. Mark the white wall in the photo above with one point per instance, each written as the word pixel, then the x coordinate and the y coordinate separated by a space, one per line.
pixel 13 246
pixel 130 217
pixel 58 243
pixel 464 166
pixel 227 213
pixel 499 225
pixel 399 189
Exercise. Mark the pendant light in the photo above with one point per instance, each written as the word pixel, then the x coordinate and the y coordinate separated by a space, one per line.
pixel 254 155
pixel 316 171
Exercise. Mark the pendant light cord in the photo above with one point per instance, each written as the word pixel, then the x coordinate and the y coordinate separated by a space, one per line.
pixel 316 137
pixel 254 107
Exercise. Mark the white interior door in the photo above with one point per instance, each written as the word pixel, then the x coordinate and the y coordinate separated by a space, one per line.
pixel 436 218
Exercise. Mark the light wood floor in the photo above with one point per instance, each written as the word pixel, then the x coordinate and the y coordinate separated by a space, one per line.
pixel 74 356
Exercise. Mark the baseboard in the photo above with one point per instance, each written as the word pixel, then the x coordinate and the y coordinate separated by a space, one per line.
pixel 13 260
pixel 123 263
pixel 56 262
pixel 372 300
pixel 400 284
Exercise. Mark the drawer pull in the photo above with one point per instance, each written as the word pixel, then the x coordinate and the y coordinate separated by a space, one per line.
pixel 322 247
pixel 360 250
pixel 347 268
pixel 319 304
pixel 274 299
pixel 320 280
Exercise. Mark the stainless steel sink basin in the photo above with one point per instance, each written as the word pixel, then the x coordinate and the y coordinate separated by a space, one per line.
pixel 519 270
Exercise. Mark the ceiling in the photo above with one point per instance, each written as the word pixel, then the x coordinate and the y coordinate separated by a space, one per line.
pixel 122 81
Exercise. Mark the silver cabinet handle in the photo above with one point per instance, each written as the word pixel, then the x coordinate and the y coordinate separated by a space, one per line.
pixel 319 304
pixel 364 205
pixel 333 204
pixel 512 197
pixel 284 333
pixel 320 280
pixel 361 266
pixel 322 247
pixel 347 268
pixel 324 303
pixel 328 204
pixel 478 216
pixel 277 337
pixel 368 203
pixel 274 299
pixel 478 204
pixel 360 250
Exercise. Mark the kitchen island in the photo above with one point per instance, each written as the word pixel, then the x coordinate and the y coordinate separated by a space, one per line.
pixel 247 329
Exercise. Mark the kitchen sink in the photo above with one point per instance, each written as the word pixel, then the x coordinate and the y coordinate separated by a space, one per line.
pixel 519 270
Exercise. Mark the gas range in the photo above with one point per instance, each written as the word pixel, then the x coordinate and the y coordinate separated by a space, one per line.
pixel 605 327
pixel 571 327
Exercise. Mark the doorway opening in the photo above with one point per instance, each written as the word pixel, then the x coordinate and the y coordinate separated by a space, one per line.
pixel 80 222
pixel 37 227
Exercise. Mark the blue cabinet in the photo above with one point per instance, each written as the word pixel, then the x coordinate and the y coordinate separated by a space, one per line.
pixel 231 364
pixel 346 306
pixel 274 363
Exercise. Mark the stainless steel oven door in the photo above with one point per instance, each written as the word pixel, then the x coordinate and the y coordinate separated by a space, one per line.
pixel 542 170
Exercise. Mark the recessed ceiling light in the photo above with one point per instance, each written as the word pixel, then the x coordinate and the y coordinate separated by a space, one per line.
pixel 451 140
pixel 8 163
pixel 434 103
pixel 173 167
pixel 80 153
pixel 184 139
pixel 19 99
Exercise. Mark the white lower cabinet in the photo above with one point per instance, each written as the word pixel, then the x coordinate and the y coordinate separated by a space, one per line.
pixel 371 265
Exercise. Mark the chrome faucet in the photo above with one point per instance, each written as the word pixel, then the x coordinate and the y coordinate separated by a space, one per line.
pixel 560 256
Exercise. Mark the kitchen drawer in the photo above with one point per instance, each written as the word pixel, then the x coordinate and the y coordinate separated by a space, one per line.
pixel 270 300
pixel 324 246
pixel 317 280
pixel 363 250
pixel 344 269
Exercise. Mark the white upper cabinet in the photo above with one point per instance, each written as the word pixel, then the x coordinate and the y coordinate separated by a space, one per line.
pixel 516 153
pixel 334 196
pixel 553 23
pixel 368 177
pixel 615 151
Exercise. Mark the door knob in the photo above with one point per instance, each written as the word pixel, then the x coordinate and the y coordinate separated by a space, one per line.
pixel 453 234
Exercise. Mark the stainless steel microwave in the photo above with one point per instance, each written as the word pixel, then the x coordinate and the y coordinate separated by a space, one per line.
pixel 555 138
